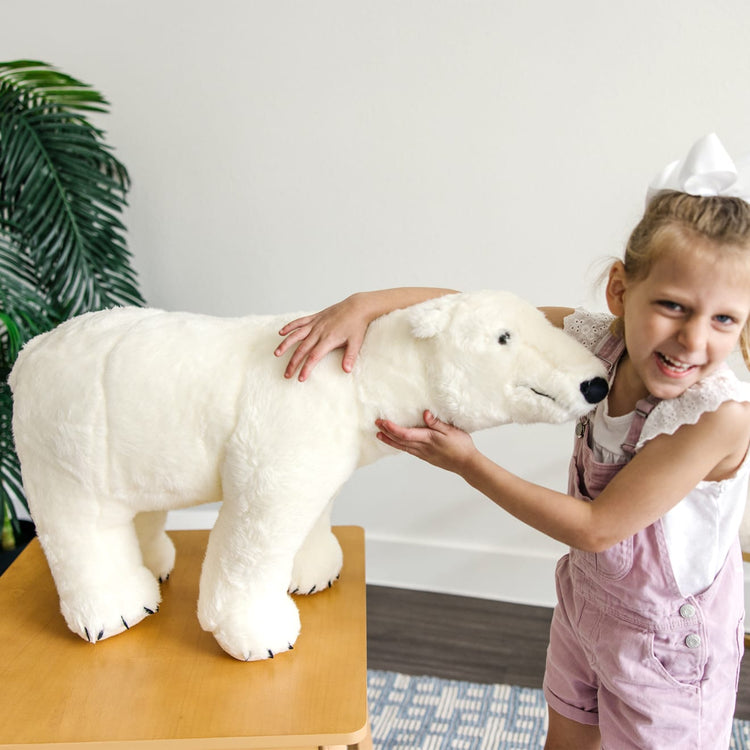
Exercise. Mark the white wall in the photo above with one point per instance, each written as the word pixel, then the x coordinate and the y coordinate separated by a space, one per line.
pixel 284 154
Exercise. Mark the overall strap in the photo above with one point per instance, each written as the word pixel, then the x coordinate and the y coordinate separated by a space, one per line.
pixel 642 410
pixel 609 351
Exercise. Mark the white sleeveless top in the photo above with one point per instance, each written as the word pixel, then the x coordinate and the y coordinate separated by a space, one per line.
pixel 702 527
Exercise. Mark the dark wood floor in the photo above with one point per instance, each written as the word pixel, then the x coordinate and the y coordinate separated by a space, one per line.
pixel 462 638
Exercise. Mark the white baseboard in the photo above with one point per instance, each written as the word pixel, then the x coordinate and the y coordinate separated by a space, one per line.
pixel 196 518
pixel 505 575
pixel 516 576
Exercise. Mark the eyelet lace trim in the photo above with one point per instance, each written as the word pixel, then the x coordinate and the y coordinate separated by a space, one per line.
pixel 707 395
pixel 588 328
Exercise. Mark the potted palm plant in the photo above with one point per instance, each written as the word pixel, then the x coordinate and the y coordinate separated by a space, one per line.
pixel 62 242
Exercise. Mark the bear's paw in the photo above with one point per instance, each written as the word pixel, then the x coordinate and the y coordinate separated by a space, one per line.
pixel 316 565
pixel 96 612
pixel 159 556
pixel 255 627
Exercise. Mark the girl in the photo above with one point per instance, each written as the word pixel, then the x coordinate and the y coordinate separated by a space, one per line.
pixel 646 638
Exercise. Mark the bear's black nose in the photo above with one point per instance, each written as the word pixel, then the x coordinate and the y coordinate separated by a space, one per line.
pixel 594 390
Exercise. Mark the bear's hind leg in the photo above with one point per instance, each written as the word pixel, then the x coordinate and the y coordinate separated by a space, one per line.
pixel 103 586
pixel 157 548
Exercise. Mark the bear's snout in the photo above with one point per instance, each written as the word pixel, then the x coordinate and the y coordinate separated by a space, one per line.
pixel 594 390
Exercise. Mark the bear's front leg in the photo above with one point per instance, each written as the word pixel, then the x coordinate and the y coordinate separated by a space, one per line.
pixel 243 599
pixel 276 484
pixel 317 563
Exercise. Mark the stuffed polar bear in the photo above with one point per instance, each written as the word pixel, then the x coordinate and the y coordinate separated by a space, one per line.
pixel 122 415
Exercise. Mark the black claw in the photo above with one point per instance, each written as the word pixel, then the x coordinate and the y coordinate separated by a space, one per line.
pixel 88 637
pixel 330 584
pixel 296 591
pixel 100 636
pixel 127 627
pixel 270 654
pixel 291 648
pixel 150 611
pixel 312 590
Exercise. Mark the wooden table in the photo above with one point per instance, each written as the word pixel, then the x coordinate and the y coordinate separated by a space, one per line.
pixel 167 684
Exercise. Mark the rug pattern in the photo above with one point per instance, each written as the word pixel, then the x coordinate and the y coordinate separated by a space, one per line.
pixel 428 713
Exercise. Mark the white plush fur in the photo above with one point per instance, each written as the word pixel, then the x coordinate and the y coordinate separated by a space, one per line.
pixel 124 414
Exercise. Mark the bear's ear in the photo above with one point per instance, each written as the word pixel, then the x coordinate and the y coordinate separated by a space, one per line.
pixel 430 318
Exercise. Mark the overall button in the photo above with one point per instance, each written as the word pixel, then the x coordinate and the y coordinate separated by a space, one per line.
pixel 687 611
pixel 693 641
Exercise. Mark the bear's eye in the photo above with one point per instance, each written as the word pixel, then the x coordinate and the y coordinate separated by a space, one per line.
pixel 503 338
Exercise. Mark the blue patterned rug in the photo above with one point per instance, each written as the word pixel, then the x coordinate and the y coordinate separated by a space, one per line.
pixel 427 713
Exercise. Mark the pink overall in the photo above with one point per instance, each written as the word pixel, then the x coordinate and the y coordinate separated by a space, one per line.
pixel 627 651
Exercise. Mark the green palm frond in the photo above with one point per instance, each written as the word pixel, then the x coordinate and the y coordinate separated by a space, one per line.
pixel 11 487
pixel 25 307
pixel 62 241
pixel 63 189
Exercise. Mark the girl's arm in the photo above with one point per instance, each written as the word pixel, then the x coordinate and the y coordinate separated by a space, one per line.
pixel 343 325
pixel 655 480
pixel 557 315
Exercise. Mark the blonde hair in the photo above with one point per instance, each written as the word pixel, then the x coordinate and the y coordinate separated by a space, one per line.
pixel 724 221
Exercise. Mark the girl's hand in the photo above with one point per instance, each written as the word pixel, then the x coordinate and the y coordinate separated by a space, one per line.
pixel 438 443
pixel 342 325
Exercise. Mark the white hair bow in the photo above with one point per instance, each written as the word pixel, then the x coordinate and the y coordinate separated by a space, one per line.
pixel 706 170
